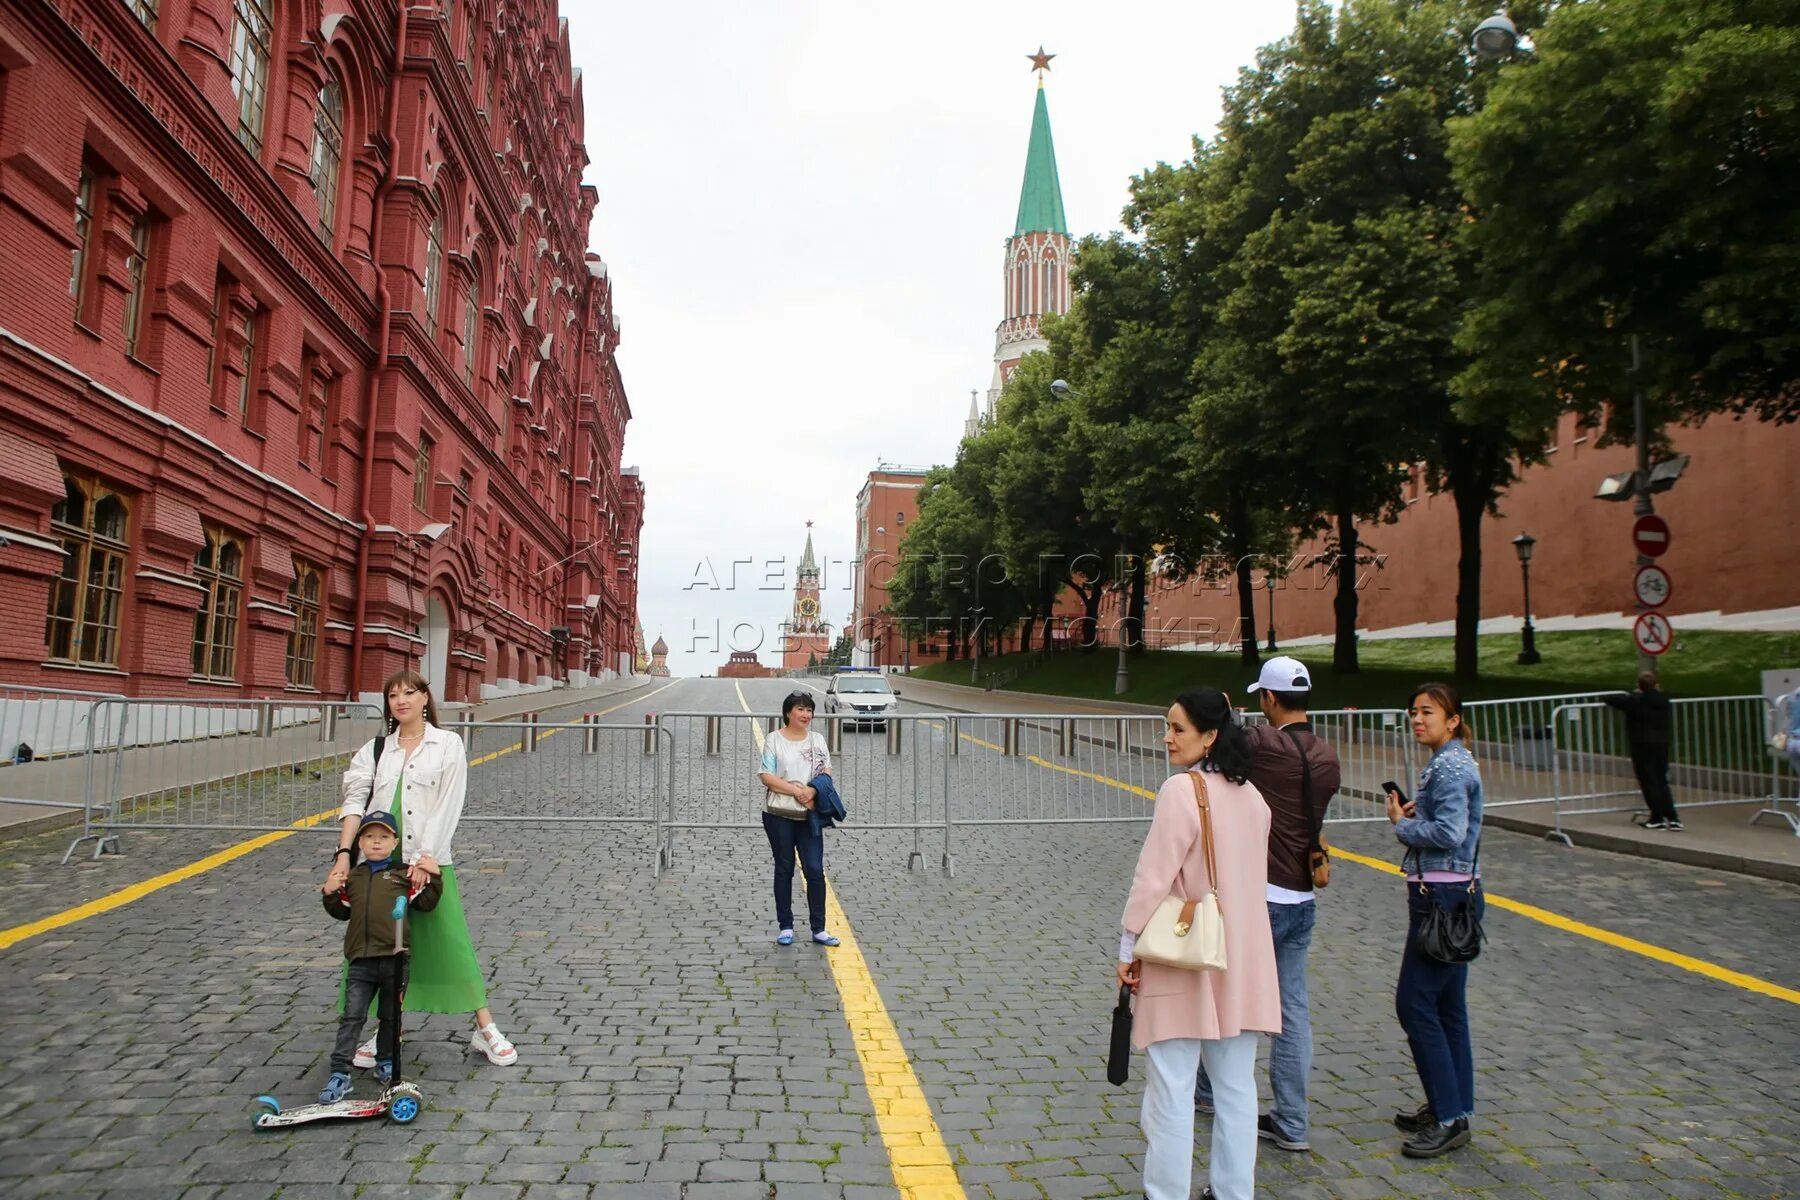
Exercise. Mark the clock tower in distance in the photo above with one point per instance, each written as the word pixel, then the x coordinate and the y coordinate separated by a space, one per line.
pixel 805 637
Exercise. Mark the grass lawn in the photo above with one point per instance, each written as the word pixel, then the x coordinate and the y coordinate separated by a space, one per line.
pixel 1702 663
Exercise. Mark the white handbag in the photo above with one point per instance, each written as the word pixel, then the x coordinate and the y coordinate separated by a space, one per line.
pixel 1189 934
pixel 783 805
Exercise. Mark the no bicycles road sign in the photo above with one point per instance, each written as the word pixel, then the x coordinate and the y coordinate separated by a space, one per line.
pixel 1653 633
pixel 1652 586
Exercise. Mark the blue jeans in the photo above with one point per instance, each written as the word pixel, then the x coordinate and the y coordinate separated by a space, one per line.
pixel 1290 1051
pixel 786 839
pixel 1431 1001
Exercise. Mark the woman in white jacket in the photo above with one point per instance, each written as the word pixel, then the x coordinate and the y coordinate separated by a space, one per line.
pixel 420 778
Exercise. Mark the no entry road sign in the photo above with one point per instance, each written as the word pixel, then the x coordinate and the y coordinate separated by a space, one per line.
pixel 1651 536
pixel 1652 586
pixel 1653 633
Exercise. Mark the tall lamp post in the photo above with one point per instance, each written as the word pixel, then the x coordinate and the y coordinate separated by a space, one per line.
pixel 1269 582
pixel 975 665
pixel 1528 655
pixel 1122 673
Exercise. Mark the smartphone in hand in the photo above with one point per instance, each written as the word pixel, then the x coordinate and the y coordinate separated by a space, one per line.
pixel 1391 786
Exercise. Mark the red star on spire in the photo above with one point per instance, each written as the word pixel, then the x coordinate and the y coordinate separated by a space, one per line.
pixel 1040 61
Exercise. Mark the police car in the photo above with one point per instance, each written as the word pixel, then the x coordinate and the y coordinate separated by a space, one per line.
pixel 862 697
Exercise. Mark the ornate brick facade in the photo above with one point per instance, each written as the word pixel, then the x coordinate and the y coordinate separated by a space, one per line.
pixel 306 371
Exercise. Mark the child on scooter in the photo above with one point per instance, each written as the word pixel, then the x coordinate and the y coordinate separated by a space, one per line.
pixel 377 901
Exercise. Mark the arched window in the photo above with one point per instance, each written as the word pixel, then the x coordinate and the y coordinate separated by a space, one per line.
pixel 434 268
pixel 1049 285
pixel 303 639
pixel 251 32
pixel 219 569
pixel 1021 287
pixel 94 525
pixel 471 325
pixel 328 155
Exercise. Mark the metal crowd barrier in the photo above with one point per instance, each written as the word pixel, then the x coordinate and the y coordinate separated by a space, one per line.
pixel 574 772
pixel 185 763
pixel 1718 754
pixel 278 764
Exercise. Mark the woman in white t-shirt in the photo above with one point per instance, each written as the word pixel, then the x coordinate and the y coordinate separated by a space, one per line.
pixel 793 756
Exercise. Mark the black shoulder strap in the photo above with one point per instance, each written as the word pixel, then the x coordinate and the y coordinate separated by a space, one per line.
pixel 380 741
pixel 1306 792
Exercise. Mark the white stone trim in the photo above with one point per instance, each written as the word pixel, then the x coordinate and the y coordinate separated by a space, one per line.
pixel 178 580
pixel 27 538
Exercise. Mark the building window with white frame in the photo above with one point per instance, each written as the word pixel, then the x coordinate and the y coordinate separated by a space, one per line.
pixel 328 155
pixel 434 269
pixel 422 473
pixel 136 267
pixel 252 31
pixel 144 11
pixel 84 230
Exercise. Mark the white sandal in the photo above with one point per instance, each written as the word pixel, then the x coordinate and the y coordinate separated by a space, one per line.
pixel 490 1041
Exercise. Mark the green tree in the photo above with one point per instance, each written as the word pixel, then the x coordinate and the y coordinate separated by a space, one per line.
pixel 1633 178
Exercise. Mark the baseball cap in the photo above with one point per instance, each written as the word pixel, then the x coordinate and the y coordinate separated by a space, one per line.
pixel 1283 674
pixel 386 820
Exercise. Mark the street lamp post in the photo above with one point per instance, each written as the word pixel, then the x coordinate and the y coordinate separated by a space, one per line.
pixel 1528 654
pixel 1269 582
pixel 1122 673
pixel 975 667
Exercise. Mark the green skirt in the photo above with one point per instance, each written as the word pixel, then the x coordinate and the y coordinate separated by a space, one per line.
pixel 445 976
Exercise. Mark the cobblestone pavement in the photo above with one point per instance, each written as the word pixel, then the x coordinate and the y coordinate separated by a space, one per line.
pixel 669 1048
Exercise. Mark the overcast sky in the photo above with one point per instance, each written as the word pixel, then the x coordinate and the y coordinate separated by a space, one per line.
pixel 804 207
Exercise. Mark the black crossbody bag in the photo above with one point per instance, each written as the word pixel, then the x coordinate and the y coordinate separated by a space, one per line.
pixel 1451 935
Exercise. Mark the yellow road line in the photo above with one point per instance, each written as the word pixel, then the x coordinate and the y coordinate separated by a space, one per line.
pixel 916 1152
pixel 1699 966
pixel 1544 916
pixel 137 891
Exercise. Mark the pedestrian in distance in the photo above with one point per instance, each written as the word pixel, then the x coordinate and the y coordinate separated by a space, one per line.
pixel 1648 717
pixel 1440 827
pixel 1181 1017
pixel 376 946
pixel 419 773
pixel 1297 773
pixel 795 763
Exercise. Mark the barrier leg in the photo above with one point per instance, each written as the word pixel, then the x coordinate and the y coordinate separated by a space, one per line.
pixel 948 865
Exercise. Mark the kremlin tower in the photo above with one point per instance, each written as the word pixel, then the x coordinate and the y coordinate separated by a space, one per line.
pixel 1036 266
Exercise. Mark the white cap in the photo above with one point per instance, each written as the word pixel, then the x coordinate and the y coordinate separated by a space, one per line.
pixel 1283 674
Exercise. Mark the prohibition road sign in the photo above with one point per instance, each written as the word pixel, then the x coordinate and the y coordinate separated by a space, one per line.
pixel 1652 586
pixel 1653 633
pixel 1651 536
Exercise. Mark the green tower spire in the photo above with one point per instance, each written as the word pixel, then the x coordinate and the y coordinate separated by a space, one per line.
pixel 1040 200
pixel 808 564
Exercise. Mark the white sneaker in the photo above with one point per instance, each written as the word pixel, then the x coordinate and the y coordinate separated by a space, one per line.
pixel 491 1042
pixel 365 1053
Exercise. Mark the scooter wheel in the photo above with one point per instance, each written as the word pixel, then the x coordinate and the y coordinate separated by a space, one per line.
pixel 403 1110
pixel 270 1103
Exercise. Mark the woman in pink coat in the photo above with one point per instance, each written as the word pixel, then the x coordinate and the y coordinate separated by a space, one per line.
pixel 1182 1017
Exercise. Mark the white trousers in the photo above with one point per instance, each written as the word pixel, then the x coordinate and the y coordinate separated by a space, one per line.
pixel 1169 1117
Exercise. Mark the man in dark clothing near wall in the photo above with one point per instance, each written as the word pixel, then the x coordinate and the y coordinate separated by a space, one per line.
pixel 1297 774
pixel 1647 719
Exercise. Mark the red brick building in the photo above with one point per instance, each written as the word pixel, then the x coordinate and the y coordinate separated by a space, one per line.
pixel 306 371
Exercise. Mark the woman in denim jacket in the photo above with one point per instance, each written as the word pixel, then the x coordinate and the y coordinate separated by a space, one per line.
pixel 1441 830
